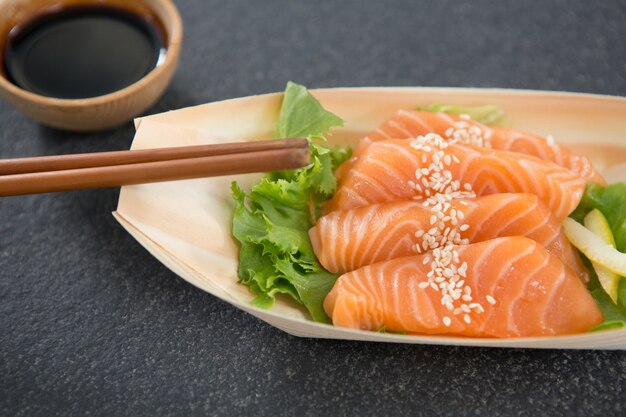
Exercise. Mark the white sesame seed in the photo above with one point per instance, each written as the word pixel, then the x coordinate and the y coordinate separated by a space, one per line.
pixel 440 188
pixel 467 319
pixel 423 285
pixel 446 321
pixel 491 300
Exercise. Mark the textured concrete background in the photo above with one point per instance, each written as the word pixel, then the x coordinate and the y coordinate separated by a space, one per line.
pixel 91 324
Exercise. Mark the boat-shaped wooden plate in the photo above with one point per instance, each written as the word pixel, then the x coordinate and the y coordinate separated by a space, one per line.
pixel 186 224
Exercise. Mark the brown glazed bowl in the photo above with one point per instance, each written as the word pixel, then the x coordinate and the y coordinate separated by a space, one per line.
pixel 102 112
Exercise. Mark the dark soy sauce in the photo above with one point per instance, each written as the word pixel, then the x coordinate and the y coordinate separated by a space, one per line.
pixel 82 51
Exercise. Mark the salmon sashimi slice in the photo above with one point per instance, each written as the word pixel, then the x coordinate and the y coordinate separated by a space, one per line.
pixel 403 169
pixel 504 287
pixel 409 124
pixel 346 240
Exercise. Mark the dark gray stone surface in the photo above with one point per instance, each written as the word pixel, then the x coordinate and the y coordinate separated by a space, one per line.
pixel 91 324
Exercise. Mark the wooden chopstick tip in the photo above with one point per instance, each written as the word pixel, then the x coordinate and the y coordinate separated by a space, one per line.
pixel 302 157
pixel 302 142
pixel 118 168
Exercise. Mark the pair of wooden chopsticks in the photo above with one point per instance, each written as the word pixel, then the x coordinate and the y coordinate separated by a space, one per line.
pixel 110 169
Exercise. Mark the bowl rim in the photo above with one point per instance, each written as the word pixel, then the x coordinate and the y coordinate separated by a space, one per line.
pixel 173 44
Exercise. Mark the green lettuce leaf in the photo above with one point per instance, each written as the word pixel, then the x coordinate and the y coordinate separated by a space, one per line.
pixel 612 312
pixel 302 115
pixel 610 200
pixel 271 222
pixel 488 115
pixel 608 325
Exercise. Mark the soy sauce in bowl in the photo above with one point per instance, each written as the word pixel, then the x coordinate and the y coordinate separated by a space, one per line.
pixel 82 51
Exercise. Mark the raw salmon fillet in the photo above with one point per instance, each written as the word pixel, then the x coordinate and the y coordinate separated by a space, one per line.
pixel 404 169
pixel 346 240
pixel 409 124
pixel 508 287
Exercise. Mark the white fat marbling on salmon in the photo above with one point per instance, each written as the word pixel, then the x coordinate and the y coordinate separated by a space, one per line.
pixel 536 295
pixel 488 171
pixel 408 124
pixel 344 241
